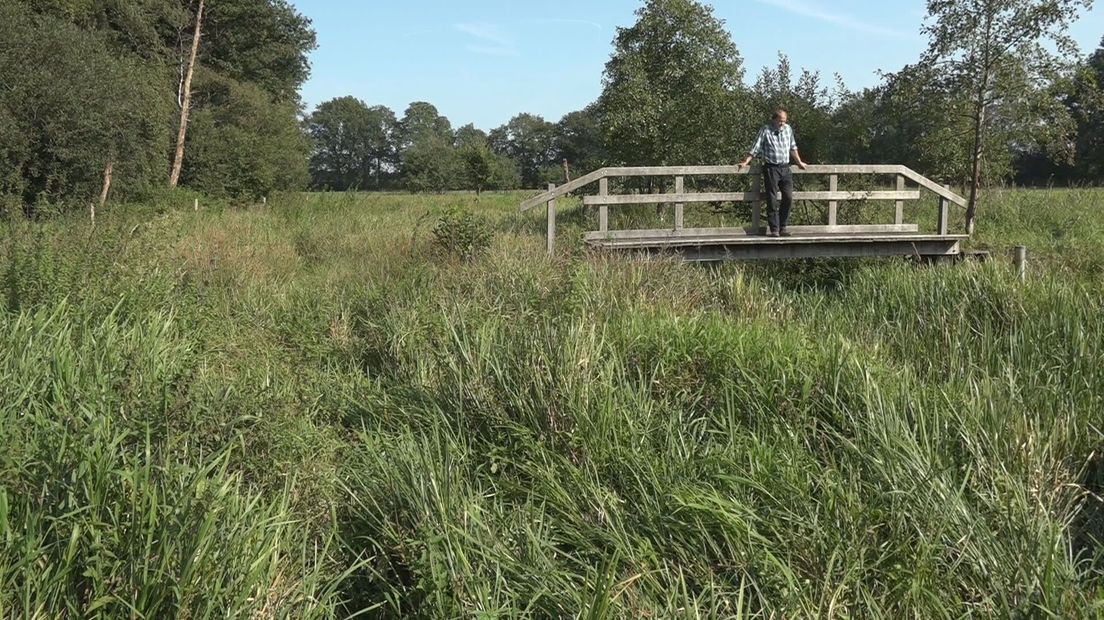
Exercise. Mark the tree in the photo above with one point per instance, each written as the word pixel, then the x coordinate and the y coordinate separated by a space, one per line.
pixel 186 100
pixel 996 51
pixel 528 140
pixel 578 140
pixel 672 91
pixel 421 120
pixel 352 144
pixel 1087 107
pixel 431 164
pixel 262 42
pixel 71 107
pixel 241 144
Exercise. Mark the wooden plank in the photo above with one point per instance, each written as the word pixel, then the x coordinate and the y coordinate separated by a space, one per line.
pixel 728 170
pixel 680 188
pixel 551 221
pixel 942 246
pixel 833 206
pixel 687 233
pixel 933 186
pixel 899 214
pixel 942 224
pixel 566 188
pixel 645 171
pixel 757 203
pixel 754 240
pixel 603 209
pixel 642 199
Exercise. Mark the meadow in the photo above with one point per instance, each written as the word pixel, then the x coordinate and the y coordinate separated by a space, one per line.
pixel 314 410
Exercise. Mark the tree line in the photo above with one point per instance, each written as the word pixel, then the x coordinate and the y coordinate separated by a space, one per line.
pixel 95 90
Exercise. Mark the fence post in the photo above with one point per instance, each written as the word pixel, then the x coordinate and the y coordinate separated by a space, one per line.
pixel 551 221
pixel 756 204
pixel 679 186
pixel 944 212
pixel 833 206
pixel 899 216
pixel 603 209
pixel 1019 259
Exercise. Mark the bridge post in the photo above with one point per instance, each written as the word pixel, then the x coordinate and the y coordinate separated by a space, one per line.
pixel 679 188
pixel 944 211
pixel 757 204
pixel 551 221
pixel 833 206
pixel 603 209
pixel 899 217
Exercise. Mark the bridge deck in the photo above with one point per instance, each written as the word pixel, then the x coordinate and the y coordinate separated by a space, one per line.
pixel 742 246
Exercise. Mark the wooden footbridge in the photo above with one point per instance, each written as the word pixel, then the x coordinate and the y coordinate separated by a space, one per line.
pixel 709 244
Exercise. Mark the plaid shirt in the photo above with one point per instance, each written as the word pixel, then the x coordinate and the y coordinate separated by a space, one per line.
pixel 774 146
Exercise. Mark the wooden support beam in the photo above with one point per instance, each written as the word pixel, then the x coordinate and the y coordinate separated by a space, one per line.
pixel 642 199
pixel 704 233
pixel 833 206
pixel 680 188
pixel 757 202
pixel 551 221
pixel 603 208
pixel 942 225
pixel 899 214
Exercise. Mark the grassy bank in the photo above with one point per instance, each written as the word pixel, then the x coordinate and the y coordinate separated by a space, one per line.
pixel 310 410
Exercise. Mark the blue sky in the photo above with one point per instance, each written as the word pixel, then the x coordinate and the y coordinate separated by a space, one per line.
pixel 483 61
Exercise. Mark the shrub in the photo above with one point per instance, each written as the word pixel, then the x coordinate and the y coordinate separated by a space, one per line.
pixel 462 233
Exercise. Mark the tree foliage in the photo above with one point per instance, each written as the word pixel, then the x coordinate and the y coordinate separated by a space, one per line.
pixel 998 53
pixel 672 92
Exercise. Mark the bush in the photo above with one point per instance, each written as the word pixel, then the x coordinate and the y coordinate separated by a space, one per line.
pixel 462 233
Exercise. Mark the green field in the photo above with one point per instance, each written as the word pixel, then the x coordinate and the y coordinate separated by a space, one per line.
pixel 312 410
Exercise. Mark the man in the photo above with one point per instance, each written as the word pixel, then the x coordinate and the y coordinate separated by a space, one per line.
pixel 777 146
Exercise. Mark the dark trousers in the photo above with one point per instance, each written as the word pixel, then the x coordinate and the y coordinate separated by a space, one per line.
pixel 778 179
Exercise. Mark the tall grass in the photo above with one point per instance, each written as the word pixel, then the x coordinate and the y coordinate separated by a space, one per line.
pixel 311 410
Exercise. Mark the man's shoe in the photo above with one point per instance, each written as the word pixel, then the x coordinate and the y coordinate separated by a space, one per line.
pixel 785 233
pixel 772 233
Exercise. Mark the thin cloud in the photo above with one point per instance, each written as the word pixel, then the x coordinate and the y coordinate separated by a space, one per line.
pixel 846 21
pixel 491 33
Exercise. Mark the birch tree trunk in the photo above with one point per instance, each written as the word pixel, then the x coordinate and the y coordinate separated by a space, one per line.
pixel 186 102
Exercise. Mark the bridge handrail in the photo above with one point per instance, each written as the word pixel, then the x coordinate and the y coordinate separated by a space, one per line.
pixel 619 172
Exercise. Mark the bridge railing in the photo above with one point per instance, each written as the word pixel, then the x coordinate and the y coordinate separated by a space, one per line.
pixel 680 197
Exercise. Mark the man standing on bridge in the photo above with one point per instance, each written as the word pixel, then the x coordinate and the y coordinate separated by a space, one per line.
pixel 777 146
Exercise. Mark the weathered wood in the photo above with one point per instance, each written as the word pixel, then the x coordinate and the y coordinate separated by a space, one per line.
pixel 680 188
pixel 1019 260
pixel 665 240
pixel 688 233
pixel 940 190
pixel 757 203
pixel 603 209
pixel 551 221
pixel 942 224
pixel 899 214
pixel 937 247
pixel 566 188
pixel 833 206
pixel 639 199
pixel 729 170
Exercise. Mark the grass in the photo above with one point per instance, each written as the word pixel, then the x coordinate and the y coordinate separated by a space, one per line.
pixel 310 410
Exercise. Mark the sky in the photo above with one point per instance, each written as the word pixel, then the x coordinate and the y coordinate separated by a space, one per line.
pixel 485 61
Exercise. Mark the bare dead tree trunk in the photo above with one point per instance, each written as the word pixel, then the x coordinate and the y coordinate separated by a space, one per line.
pixel 108 171
pixel 186 101
pixel 567 172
